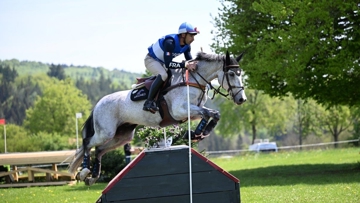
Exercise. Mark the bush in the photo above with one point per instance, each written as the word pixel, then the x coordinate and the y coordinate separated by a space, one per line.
pixel 111 164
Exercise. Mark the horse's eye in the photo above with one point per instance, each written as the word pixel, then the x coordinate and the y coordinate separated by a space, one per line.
pixel 232 74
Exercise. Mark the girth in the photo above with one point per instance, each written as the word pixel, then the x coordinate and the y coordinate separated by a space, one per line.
pixel 167 119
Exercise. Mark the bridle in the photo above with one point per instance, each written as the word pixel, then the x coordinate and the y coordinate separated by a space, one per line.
pixel 197 84
pixel 226 69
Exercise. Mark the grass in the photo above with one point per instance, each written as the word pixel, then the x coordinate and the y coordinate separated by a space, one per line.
pixel 310 176
pixel 65 194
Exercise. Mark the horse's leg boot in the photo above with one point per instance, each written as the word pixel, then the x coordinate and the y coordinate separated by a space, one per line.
pixel 150 104
pixel 193 137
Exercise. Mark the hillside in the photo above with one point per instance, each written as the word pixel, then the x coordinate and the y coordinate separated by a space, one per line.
pixel 75 72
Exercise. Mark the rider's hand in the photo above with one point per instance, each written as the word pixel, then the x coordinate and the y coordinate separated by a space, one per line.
pixel 191 65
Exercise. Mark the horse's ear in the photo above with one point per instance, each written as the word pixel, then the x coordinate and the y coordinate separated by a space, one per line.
pixel 239 57
pixel 227 57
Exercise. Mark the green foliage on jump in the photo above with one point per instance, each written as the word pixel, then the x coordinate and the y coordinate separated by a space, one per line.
pixel 151 136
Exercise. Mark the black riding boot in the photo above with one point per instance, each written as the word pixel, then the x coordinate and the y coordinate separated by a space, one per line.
pixel 150 104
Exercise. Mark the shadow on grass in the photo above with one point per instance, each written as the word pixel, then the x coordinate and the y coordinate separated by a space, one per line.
pixel 299 174
pixel 80 186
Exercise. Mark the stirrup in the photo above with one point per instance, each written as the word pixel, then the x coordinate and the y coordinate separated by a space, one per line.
pixel 150 106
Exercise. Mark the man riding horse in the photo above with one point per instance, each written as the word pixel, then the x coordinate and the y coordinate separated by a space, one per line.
pixel 113 120
pixel 160 56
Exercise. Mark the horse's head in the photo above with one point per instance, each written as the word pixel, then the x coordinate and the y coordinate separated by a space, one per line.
pixel 226 69
pixel 231 80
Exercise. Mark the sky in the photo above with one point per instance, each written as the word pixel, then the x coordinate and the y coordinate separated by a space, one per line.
pixel 98 33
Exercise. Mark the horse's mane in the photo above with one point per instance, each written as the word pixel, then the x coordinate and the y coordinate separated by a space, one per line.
pixel 208 57
pixel 200 56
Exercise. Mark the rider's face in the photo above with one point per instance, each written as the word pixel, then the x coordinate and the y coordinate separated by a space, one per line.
pixel 189 38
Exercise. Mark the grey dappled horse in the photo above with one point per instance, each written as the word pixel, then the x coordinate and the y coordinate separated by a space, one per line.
pixel 114 118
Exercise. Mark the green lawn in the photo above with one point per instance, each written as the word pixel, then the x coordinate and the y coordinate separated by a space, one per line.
pixel 310 176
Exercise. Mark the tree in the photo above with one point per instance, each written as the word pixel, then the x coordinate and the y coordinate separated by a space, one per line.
pixel 95 89
pixel 336 120
pixel 56 71
pixel 23 97
pixel 55 111
pixel 305 120
pixel 259 111
pixel 17 140
pixel 7 77
pixel 306 48
pixel 355 114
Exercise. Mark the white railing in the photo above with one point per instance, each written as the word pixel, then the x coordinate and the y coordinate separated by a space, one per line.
pixel 283 147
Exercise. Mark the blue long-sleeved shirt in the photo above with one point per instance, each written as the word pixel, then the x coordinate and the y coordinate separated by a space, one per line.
pixel 167 48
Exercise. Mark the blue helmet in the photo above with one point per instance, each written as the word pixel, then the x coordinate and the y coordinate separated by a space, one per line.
pixel 188 28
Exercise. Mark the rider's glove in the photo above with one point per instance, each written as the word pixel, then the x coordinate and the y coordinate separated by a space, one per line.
pixel 192 65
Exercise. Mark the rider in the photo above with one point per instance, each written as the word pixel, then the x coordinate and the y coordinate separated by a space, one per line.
pixel 160 56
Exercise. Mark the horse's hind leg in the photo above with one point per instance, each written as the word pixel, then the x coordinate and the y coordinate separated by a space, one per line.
pixel 86 160
pixel 95 169
pixel 103 133
pixel 113 144
pixel 124 135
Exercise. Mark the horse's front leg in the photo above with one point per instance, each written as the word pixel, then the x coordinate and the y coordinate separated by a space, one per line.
pixel 204 128
pixel 211 125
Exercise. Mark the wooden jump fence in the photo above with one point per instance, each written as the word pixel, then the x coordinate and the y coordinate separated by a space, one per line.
pixel 29 163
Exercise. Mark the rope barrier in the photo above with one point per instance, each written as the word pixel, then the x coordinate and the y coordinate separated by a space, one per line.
pixel 284 147
pixel 189 134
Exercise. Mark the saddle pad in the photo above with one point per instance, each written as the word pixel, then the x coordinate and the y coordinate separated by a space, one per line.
pixel 139 94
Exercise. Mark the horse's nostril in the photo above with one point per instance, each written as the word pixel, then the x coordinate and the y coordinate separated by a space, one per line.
pixel 241 100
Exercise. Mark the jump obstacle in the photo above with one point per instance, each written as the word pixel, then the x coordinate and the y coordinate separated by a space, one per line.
pixel 162 176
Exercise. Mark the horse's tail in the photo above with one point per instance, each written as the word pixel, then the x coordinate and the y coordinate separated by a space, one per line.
pixel 88 129
pixel 87 133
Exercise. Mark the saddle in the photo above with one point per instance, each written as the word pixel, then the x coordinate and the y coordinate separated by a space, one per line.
pixel 140 92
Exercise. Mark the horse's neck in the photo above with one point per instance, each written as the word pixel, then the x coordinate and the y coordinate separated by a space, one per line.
pixel 206 72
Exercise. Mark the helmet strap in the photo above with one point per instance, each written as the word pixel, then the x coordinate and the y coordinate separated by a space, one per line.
pixel 185 38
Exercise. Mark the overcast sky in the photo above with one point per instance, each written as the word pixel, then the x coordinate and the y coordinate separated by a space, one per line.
pixel 107 33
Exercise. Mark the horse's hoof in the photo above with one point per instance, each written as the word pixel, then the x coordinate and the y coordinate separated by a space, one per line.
pixel 186 135
pixel 90 181
pixel 77 176
pixel 86 181
pixel 83 173
pixel 194 138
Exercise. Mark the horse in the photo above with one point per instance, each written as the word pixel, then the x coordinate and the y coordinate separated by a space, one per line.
pixel 114 118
